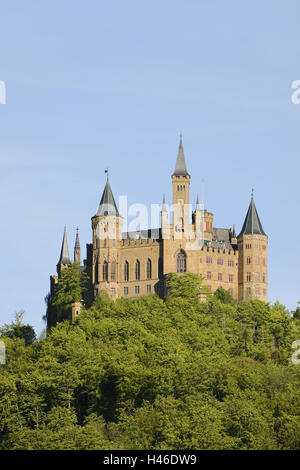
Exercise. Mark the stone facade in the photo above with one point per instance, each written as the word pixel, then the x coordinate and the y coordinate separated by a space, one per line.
pixel 135 263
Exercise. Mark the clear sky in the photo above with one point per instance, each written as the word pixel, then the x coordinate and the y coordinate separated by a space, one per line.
pixel 92 84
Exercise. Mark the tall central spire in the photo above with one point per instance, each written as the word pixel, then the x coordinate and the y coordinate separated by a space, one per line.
pixel 180 169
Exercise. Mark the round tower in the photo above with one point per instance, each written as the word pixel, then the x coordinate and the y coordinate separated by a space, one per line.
pixel 252 248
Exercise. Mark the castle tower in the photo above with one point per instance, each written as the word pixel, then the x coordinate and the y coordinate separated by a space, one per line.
pixel 77 247
pixel 252 246
pixel 107 236
pixel 64 258
pixel 181 189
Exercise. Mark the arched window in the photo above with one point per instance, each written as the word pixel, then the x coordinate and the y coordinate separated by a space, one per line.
pixel 105 271
pixel 126 271
pixel 113 271
pixel 96 271
pixel 149 269
pixel 181 262
pixel 137 270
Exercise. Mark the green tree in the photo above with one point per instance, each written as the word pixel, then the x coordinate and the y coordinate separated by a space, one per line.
pixel 69 289
pixel 17 329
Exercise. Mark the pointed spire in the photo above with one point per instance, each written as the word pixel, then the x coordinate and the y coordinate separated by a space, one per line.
pixel 64 254
pixel 164 208
pixel 107 204
pixel 180 169
pixel 77 243
pixel 233 232
pixel 252 224
pixel 197 204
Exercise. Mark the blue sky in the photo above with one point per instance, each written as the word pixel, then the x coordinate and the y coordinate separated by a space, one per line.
pixel 95 84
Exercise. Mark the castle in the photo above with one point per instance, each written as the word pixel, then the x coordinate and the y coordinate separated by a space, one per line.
pixel 133 264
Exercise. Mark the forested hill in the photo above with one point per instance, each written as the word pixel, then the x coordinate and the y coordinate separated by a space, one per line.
pixel 155 374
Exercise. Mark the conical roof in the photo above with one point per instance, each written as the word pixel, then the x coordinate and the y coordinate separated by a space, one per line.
pixel 180 169
pixel 77 243
pixel 107 204
pixel 64 254
pixel 252 224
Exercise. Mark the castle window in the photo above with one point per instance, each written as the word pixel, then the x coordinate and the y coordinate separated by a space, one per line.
pixel 149 269
pixel 248 259
pixel 264 261
pixel 137 270
pixel 257 290
pixel 220 261
pixel 209 276
pixel 248 290
pixel 125 290
pixel 96 271
pixel 256 277
pixel 248 246
pixel 126 271
pixel 177 187
pixel 137 289
pixel 113 292
pixel 264 277
pixel 230 263
pixel 256 260
pixel 230 278
pixel 183 188
pixel 105 271
pixel 209 259
pixel 219 276
pixel 104 243
pixel 148 288
pixel 248 277
pixel 113 271
pixel 181 262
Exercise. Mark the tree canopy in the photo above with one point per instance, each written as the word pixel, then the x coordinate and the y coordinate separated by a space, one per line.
pixel 149 373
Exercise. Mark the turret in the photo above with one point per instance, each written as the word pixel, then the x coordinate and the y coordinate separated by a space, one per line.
pixel 252 246
pixel 107 235
pixel 164 220
pixel 64 259
pixel 77 247
pixel 199 220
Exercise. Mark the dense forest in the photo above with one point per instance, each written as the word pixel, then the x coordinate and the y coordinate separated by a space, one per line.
pixel 150 373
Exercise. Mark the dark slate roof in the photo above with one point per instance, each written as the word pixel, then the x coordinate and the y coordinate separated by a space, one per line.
pixel 64 254
pixel 252 224
pixel 221 238
pixel 77 243
pixel 107 204
pixel 180 169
